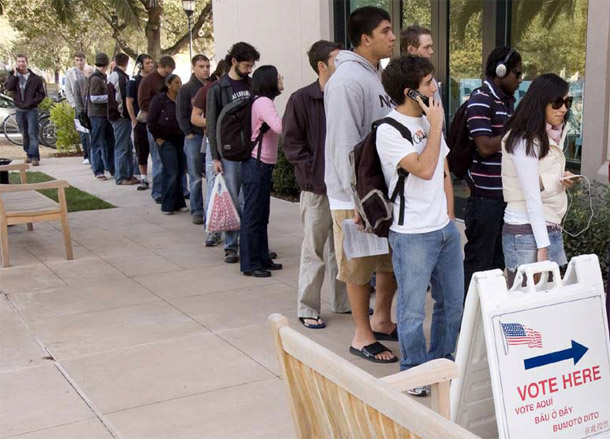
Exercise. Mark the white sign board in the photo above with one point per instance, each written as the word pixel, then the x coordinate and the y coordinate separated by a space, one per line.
pixel 548 355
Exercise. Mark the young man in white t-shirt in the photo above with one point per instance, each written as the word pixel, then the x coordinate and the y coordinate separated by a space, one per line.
pixel 426 249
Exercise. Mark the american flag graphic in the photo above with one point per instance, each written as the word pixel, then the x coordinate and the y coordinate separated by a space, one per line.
pixel 517 334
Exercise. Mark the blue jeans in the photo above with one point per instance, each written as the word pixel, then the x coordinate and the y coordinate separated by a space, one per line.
pixel 157 167
pixel 194 161
pixel 123 150
pixel 232 175
pixel 101 155
pixel 522 249
pixel 85 141
pixel 27 120
pixel 423 259
pixel 172 157
pixel 254 243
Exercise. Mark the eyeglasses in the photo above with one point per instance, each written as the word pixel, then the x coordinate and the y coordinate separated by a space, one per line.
pixel 518 73
pixel 560 102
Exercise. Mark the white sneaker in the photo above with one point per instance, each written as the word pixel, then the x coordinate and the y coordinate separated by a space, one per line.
pixel 419 391
pixel 86 162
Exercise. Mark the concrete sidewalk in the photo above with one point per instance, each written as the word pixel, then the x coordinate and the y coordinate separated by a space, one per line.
pixel 146 334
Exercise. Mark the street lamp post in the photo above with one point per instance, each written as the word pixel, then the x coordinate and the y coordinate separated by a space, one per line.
pixel 189 8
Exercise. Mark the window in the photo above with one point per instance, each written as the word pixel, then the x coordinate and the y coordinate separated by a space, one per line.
pixel 417 12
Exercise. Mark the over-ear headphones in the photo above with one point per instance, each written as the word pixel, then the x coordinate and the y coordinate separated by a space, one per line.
pixel 501 67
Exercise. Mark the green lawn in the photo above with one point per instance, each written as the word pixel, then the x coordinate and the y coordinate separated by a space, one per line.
pixel 77 200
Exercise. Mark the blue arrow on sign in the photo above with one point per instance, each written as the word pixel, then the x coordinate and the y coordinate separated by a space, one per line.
pixel 575 352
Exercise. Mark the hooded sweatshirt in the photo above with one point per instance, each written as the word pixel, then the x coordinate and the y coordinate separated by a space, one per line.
pixel 353 99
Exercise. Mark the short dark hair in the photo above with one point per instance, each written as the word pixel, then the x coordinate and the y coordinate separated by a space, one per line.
pixel 21 55
pixel 199 57
pixel 143 57
pixel 265 82
pixel 320 51
pixel 497 56
pixel 242 52
pixel 410 36
pixel 121 59
pixel 406 71
pixel 364 21
pixel 80 54
pixel 167 61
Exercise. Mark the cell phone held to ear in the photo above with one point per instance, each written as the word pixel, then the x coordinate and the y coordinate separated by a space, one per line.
pixel 414 94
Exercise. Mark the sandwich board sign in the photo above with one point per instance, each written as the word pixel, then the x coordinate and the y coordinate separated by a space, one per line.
pixel 535 360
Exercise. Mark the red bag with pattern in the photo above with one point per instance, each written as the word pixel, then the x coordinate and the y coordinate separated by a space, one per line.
pixel 222 215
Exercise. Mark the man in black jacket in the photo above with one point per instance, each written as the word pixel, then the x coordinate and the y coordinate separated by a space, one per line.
pixel 234 85
pixel 304 134
pixel 28 93
pixel 193 134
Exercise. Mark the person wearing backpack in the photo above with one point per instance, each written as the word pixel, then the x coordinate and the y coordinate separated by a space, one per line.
pixel 304 133
pixel 230 87
pixel 426 248
pixel 354 98
pixel 256 172
pixel 488 109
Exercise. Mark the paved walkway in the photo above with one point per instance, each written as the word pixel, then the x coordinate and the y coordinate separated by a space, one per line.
pixel 146 334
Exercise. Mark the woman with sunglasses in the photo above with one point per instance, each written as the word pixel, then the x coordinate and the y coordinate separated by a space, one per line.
pixel 533 175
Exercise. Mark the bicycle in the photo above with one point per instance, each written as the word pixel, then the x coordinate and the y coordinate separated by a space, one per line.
pixel 47 132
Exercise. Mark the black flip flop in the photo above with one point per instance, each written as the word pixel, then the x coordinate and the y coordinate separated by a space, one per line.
pixel 309 325
pixel 368 353
pixel 387 337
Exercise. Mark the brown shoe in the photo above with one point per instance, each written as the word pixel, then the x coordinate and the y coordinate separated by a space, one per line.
pixel 28 160
pixel 35 163
pixel 127 182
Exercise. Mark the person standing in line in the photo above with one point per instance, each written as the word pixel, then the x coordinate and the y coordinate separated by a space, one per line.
pixel 426 247
pixel 144 65
pixel 119 119
pixel 488 109
pixel 164 128
pixel 102 136
pixel 28 93
pixel 149 87
pixel 534 176
pixel 200 65
pixel 234 85
pixel 198 119
pixel 80 104
pixel 73 74
pixel 354 98
pixel 256 173
pixel 304 133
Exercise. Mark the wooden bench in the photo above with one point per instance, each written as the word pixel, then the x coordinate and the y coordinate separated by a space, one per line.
pixel 332 398
pixel 21 204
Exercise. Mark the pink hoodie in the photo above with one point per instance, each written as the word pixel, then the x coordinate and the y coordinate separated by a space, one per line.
pixel 263 110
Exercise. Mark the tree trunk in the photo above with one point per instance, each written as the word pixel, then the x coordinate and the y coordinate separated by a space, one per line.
pixel 153 31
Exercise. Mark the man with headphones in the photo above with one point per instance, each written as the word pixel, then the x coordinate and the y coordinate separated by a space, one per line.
pixel 489 107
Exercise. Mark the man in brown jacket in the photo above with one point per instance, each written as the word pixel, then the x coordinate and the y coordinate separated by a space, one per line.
pixel 304 136
pixel 28 93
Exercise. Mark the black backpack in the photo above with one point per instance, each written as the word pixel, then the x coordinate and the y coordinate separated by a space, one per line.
pixel 234 131
pixel 368 184
pixel 461 146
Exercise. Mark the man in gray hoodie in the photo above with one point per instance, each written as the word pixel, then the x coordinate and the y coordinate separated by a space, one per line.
pixel 354 98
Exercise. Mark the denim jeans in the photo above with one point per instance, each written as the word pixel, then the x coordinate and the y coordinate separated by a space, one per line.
pixel 420 260
pixel 210 176
pixel 194 161
pixel 157 167
pixel 123 150
pixel 85 141
pixel 27 120
pixel 254 242
pixel 101 155
pixel 232 175
pixel 172 157
pixel 484 218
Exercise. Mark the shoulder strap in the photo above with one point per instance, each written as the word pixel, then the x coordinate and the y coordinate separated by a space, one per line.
pixel 403 130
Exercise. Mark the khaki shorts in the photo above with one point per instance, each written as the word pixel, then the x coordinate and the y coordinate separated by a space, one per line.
pixel 357 271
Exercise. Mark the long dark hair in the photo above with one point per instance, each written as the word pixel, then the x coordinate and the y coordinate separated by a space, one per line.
pixel 528 122
pixel 265 82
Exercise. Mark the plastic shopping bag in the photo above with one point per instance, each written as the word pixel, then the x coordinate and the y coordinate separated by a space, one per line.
pixel 222 215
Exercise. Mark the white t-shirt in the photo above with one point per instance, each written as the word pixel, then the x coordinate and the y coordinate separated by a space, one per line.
pixel 425 200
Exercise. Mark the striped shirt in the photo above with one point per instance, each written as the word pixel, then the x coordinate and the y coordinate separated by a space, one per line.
pixel 488 110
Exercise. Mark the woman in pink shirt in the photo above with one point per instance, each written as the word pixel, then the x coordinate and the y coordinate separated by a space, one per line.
pixel 256 174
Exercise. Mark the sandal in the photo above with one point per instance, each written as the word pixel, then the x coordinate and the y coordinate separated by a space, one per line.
pixel 314 326
pixel 387 337
pixel 369 352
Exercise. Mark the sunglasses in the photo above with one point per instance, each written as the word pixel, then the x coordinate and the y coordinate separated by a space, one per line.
pixel 560 102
